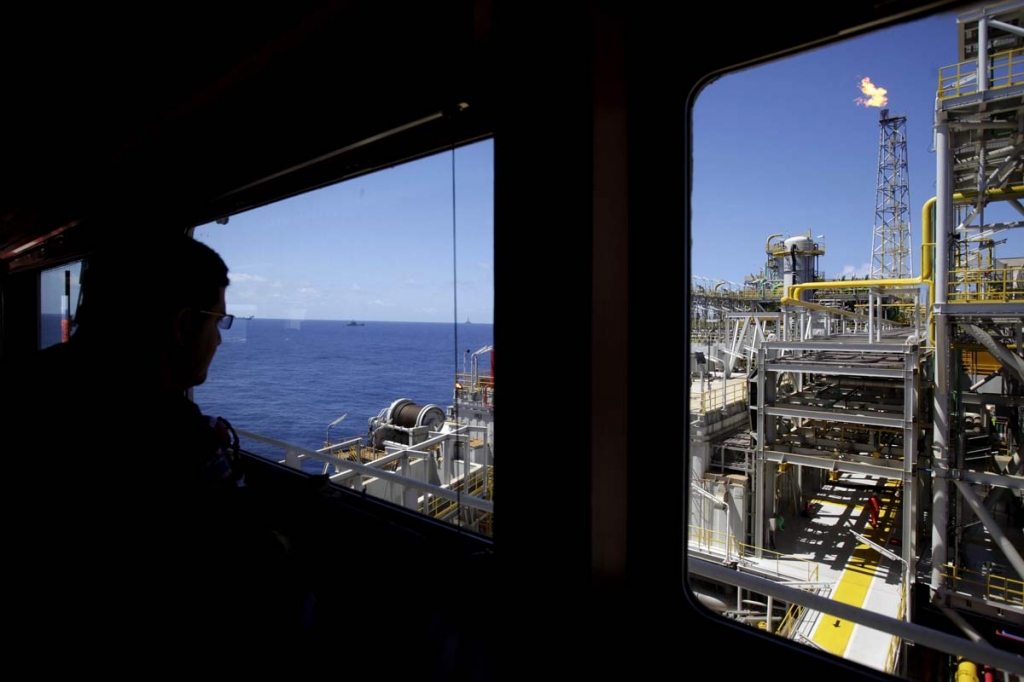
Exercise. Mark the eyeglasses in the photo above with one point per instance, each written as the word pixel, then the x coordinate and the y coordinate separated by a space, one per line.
pixel 225 320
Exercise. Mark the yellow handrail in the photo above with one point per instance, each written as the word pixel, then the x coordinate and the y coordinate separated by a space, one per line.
pixel 483 380
pixel 722 397
pixel 792 616
pixel 986 285
pixel 1005 69
pixel 993 587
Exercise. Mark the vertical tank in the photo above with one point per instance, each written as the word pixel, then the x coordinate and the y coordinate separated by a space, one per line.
pixel 798 262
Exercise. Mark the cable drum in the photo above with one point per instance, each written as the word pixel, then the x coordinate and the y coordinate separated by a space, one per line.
pixel 410 415
pixel 396 421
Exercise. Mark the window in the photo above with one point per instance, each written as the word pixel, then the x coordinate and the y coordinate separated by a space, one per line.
pixel 362 345
pixel 58 301
pixel 816 336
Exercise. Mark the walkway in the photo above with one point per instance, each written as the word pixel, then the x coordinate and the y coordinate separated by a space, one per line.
pixel 822 549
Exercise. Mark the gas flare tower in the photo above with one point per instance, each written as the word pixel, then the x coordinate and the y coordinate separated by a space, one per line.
pixel 891 252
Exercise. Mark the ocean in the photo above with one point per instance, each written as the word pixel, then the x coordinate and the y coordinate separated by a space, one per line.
pixel 289 379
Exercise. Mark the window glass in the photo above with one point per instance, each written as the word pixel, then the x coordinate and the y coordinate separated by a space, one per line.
pixel 819 377
pixel 362 344
pixel 58 301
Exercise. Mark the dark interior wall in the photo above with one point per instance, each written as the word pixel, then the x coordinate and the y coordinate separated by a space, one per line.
pixel 589 108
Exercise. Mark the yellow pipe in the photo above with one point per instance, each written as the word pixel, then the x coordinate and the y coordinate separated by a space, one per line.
pixel 927 242
pixel 792 296
pixel 998 193
pixel 966 671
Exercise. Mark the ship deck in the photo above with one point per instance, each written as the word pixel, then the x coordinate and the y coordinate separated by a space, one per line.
pixel 833 551
pixel 819 553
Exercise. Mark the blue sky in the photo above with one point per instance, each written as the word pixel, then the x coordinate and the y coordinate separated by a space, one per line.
pixel 378 247
pixel 783 148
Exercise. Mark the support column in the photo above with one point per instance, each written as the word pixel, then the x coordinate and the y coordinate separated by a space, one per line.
pixel 982 55
pixel 759 463
pixel 908 490
pixel 871 316
pixel 940 411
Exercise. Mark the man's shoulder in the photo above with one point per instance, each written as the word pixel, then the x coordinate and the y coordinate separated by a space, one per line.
pixel 178 406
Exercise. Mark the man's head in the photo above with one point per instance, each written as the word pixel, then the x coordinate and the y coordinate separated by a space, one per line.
pixel 197 335
pixel 160 303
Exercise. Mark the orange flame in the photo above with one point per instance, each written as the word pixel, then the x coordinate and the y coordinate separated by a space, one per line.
pixel 875 95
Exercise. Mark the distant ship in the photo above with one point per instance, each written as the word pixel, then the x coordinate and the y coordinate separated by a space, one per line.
pixel 353 323
pixel 467 321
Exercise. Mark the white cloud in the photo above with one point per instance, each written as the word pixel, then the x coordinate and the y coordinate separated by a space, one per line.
pixel 484 266
pixel 862 271
pixel 380 303
pixel 237 277
pixel 356 287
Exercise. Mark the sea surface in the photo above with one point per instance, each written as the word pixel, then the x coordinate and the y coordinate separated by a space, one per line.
pixel 289 379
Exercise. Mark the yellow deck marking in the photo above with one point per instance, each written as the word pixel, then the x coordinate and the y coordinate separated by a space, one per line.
pixel 833 634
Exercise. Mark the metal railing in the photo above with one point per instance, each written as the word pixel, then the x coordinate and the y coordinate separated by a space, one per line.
pixel 719 541
pixel 774 292
pixel 892 656
pixel 987 285
pixel 790 620
pixel 482 379
pixel 475 387
pixel 468 494
pixel 717 398
pixel 953 644
pixel 993 587
pixel 1004 70
pixel 713 540
pixel 716 540
pixel 476 483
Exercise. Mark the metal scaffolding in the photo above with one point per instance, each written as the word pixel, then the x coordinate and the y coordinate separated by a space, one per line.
pixel 891 252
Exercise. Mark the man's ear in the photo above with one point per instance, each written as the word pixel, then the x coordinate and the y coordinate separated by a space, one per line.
pixel 182 323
